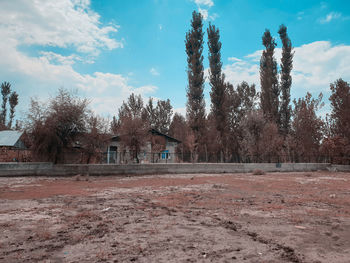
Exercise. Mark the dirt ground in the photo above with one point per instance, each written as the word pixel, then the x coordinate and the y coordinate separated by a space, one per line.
pixel 276 217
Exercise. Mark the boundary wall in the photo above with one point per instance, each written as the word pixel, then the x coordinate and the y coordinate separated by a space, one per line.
pixel 48 169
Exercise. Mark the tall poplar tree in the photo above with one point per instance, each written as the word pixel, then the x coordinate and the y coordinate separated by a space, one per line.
pixel 286 80
pixel 218 87
pixel 13 100
pixel 195 71
pixel 268 79
pixel 5 92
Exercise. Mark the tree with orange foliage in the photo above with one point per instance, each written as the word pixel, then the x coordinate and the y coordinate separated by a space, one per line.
pixel 55 127
pixel 307 128
pixel 132 127
pixel 179 130
pixel 337 143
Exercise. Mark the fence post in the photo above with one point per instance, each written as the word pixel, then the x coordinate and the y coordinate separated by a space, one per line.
pixel 108 155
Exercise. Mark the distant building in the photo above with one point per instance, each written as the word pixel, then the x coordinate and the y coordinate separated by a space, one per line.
pixel 12 147
pixel 160 148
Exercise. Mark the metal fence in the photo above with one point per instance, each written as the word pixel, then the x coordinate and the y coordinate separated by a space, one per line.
pixel 129 157
pixel 180 157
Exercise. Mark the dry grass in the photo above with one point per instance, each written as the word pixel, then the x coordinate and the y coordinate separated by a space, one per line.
pixel 77 237
pixel 81 177
pixel 43 233
pixel 296 218
pixel 258 172
pixel 85 215
pixel 273 207
pixel 77 177
pixel 42 230
pixel 102 255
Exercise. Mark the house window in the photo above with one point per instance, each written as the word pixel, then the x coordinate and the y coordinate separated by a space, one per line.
pixel 165 155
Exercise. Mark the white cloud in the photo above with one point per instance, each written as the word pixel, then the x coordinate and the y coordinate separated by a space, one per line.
pixel 147 89
pixel 154 72
pixel 41 76
pixel 181 111
pixel 315 66
pixel 213 16
pixel 234 59
pixel 73 27
pixel 331 16
pixel 59 59
pixel 64 23
pixel 204 13
pixel 208 3
pixel 203 8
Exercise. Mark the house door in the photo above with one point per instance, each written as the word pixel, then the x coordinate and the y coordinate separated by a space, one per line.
pixel 112 154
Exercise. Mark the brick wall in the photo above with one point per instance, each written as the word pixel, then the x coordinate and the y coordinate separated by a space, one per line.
pixel 8 154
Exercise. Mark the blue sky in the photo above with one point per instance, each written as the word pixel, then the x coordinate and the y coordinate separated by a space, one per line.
pixel 105 50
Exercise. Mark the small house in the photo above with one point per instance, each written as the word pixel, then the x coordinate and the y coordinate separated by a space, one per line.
pixel 12 147
pixel 159 148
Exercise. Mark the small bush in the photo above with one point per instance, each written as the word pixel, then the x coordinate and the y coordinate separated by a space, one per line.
pixel 258 172
pixel 77 177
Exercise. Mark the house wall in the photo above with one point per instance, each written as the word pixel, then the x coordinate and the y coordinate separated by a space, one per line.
pixel 172 158
pixel 8 154
pixel 145 156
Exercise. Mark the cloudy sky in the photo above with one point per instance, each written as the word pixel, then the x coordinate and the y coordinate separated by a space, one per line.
pixel 105 50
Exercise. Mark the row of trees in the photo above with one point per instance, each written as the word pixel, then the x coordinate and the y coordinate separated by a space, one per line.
pixel 250 136
pixel 244 125
pixel 65 120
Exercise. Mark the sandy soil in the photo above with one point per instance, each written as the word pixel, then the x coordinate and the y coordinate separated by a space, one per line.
pixel 277 217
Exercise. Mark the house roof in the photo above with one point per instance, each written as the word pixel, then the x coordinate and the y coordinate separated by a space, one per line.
pixel 153 131
pixel 9 137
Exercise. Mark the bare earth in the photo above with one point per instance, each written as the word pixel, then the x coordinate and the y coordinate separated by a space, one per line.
pixel 277 217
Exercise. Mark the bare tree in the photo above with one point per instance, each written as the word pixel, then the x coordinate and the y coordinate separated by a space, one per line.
pixel 307 127
pixel 337 143
pixel 271 143
pixel 240 102
pixel 179 130
pixel 253 126
pixel 132 127
pixel 54 128
pixel 94 138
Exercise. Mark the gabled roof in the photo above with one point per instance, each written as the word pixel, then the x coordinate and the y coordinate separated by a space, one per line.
pixel 9 137
pixel 153 131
